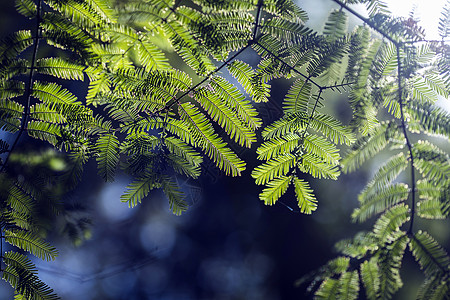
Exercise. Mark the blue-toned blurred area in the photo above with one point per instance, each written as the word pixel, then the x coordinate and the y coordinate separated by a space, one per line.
pixel 227 246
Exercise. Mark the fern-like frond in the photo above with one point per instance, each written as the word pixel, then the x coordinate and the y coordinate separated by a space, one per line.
pixel 11 46
pixel 274 168
pixel 298 97
pixel 389 263
pixel 78 156
pixel 444 21
pixel 367 147
pixel 388 225
pixel 31 243
pixel 290 123
pixel 421 91
pixel 429 254
pixel 379 200
pixel 10 115
pixel 359 245
pixel 151 57
pixel 322 148
pixel 336 25
pixel 60 68
pixel 53 94
pixel 180 148
pixel 19 200
pixel 306 200
pixel 139 189
pixel 284 30
pixel 42 112
pixel 377 7
pixel 246 76
pixel 371 278
pixel 18 260
pixel 275 189
pixel 176 197
pixel 276 146
pixel 285 9
pixel 44 131
pixel 328 290
pixel 317 167
pixel 349 286
pixel 225 117
pixel 387 173
pixel 430 119
pixel 139 143
pixel 432 162
pixel 187 47
pixel 431 209
pixel 332 129
pixel 104 9
pixel 236 100
pixel 27 8
pixel 107 148
pixel 21 274
pixel 209 141
pixel 183 167
pixel 78 12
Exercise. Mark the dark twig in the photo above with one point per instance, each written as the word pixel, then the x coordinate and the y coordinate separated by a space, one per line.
pixel 29 87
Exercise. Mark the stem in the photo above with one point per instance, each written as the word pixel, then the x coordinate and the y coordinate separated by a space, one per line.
pixel 27 94
pixel 257 19
pixel 367 21
pixel 1 249
pixel 176 100
pixel 289 66
pixel 408 143
pixel 311 116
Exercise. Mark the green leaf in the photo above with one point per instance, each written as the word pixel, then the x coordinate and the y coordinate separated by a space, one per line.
pixel 366 148
pixel 20 201
pixel 139 189
pixel 107 148
pixel 26 8
pixel 379 200
pixel 322 148
pixel 389 263
pixel 332 129
pixel 176 197
pixel 429 254
pixel 21 274
pixel 349 286
pixel 275 189
pixel 278 146
pixel 290 123
pixel 371 278
pixel 306 200
pixel 273 168
pixel 31 243
pixel 297 98
pixel 328 290
pixel 44 131
pixel 431 209
pixel 317 167
pixel 205 137
pixel 236 100
pixel 61 68
pixel 180 148
pixel 226 118
pixel 336 25
pixel 388 225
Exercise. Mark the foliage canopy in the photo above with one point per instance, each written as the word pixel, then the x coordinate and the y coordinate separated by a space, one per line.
pixel 155 121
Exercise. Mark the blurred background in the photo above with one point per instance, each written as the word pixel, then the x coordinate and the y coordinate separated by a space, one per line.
pixel 228 245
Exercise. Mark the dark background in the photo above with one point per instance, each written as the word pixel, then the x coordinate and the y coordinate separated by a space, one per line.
pixel 229 245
